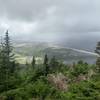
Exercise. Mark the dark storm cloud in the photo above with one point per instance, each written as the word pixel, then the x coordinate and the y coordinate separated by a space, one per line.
pixel 66 20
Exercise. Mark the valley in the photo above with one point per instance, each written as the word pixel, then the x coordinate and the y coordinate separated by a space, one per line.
pixel 24 52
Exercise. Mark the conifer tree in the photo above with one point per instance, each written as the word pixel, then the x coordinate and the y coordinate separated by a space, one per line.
pixel 33 62
pixel 46 65
pixel 98 52
pixel 8 52
pixel 98 48
pixel 7 62
pixel 8 48
pixel 53 63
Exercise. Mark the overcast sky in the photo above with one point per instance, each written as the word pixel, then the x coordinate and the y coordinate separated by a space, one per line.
pixel 68 21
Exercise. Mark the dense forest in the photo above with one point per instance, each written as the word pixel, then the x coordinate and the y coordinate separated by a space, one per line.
pixel 52 80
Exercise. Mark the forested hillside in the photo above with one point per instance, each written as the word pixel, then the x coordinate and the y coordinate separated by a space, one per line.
pixel 49 80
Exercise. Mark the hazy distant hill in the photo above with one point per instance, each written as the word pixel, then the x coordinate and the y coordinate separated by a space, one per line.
pixel 68 55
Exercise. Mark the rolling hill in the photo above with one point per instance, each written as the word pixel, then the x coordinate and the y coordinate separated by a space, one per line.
pixel 65 54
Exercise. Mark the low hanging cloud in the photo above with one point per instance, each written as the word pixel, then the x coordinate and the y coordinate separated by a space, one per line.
pixel 62 20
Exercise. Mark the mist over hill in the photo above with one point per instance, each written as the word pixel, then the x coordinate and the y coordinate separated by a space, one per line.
pixel 26 50
pixel 85 43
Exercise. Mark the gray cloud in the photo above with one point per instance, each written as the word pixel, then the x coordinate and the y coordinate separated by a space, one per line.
pixel 65 20
pixel 23 10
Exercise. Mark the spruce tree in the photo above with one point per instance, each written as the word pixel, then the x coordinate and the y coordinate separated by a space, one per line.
pixel 98 48
pixel 7 62
pixel 3 70
pixel 54 64
pixel 33 62
pixel 8 48
pixel 98 59
pixel 46 65
pixel 8 51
